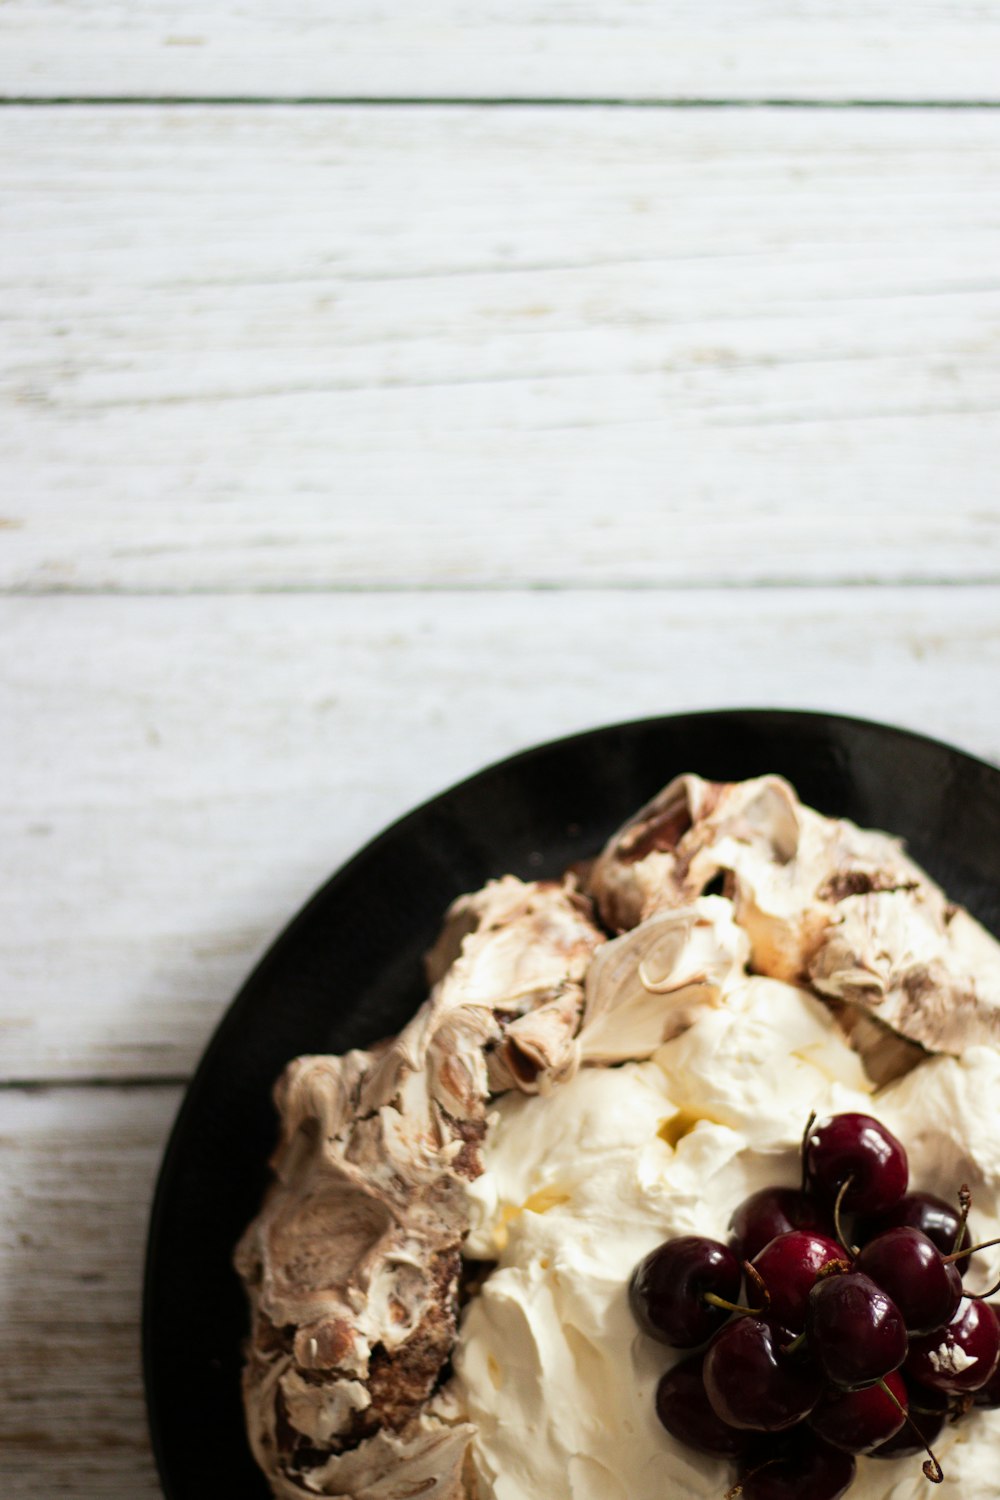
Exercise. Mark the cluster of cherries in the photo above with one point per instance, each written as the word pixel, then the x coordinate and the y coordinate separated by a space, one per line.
pixel 861 1337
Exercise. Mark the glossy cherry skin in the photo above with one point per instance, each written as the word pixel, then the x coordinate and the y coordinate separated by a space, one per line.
pixel 855 1330
pixel 859 1421
pixel 667 1290
pixel 788 1267
pixel 859 1147
pixel 927 1411
pixel 961 1357
pixel 751 1384
pixel 923 1211
pixel 686 1412
pixel 773 1211
pixel 904 1263
pixel 805 1469
pixel 988 1395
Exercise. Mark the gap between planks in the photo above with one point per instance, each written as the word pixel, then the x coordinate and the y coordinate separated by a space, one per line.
pixel 540 585
pixel 471 101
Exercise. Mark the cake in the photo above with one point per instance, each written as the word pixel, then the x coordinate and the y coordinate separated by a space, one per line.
pixel 438 1275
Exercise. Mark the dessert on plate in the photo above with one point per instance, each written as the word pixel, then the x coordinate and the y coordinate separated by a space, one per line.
pixel 439 1276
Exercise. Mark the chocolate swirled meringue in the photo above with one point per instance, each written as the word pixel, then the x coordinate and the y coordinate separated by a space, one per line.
pixel 352 1266
pixel 824 903
pixel 718 905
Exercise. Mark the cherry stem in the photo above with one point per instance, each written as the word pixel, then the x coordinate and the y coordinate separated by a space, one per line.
pixel 964 1204
pixel 802 1149
pixel 737 1489
pixel 969 1250
pixel 756 1281
pixel 848 1249
pixel 932 1469
pixel 733 1307
pixel 795 1345
pixel 982 1296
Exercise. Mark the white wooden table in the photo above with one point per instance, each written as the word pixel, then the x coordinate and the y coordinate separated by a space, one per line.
pixel 386 387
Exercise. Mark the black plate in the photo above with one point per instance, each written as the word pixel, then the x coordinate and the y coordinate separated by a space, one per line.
pixel 348 971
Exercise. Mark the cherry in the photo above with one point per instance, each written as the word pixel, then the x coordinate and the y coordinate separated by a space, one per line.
pixel 669 1287
pixel 770 1212
pixel 859 1151
pixel 795 1388
pixel 854 1329
pixel 751 1383
pixel 788 1267
pixel 988 1395
pixel 904 1263
pixel 859 1421
pixel 961 1357
pixel 686 1412
pixel 932 1216
pixel 927 1412
pixel 804 1469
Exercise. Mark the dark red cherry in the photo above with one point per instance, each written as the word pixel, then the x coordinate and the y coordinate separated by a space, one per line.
pixel 686 1412
pixel 858 1421
pixel 804 1469
pixel 904 1263
pixel 788 1267
pixel 751 1384
pixel 988 1395
pixel 854 1329
pixel 961 1357
pixel 932 1216
pixel 862 1149
pixel 773 1211
pixel 927 1412
pixel 668 1288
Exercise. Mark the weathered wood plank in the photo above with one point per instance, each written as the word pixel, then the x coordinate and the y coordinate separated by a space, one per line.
pixel 241 347
pixel 178 774
pixel 76 1178
pixel 888 49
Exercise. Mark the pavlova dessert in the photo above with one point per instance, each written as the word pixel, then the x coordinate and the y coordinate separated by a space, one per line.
pixel 664 1192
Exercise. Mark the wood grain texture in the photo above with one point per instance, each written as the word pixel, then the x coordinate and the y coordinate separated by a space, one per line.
pixel 76 1176
pixel 183 772
pixel 676 49
pixel 317 348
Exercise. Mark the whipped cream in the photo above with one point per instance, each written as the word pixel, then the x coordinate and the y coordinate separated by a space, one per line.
pixel 550 1366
